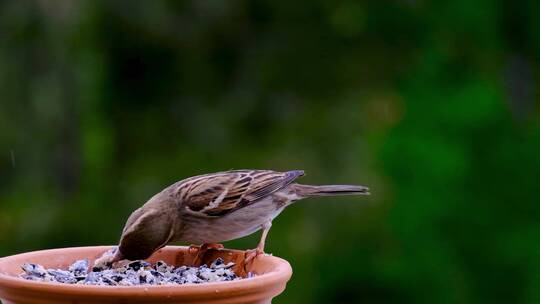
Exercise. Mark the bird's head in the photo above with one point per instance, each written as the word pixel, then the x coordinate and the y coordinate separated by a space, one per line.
pixel 147 229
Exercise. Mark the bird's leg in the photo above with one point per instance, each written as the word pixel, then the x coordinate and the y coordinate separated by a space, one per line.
pixel 214 246
pixel 200 251
pixel 253 253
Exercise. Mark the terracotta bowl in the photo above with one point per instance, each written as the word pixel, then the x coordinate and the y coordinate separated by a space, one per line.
pixel 272 276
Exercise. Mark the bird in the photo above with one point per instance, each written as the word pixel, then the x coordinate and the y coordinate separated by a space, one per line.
pixel 213 208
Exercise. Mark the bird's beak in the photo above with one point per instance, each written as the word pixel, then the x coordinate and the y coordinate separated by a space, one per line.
pixel 117 256
pixel 108 258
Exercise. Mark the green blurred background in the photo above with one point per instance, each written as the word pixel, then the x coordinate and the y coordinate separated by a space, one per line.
pixel 434 106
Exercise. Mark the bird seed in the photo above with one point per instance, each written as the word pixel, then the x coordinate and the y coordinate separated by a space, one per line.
pixel 132 274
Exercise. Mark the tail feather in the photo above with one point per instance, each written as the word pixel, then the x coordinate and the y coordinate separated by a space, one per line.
pixel 330 190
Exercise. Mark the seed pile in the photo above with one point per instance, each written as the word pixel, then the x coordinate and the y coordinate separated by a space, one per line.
pixel 134 273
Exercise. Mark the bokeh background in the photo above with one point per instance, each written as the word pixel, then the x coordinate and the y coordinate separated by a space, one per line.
pixel 434 106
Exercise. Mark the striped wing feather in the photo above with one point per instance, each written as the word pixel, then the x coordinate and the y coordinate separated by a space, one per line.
pixel 224 192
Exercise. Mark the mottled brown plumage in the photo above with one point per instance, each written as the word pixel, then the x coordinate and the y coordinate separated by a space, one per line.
pixel 217 207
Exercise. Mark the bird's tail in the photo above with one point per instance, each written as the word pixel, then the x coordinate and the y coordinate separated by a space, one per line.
pixel 329 190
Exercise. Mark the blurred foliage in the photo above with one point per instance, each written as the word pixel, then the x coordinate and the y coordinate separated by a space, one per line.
pixel 434 106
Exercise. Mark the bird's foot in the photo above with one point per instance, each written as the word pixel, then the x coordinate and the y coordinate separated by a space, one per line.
pixel 196 248
pixel 201 250
pixel 193 249
pixel 252 254
pixel 214 246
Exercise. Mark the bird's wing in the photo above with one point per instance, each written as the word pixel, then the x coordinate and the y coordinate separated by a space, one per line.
pixel 220 193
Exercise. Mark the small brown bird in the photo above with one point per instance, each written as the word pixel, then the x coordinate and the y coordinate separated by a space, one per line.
pixel 217 207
